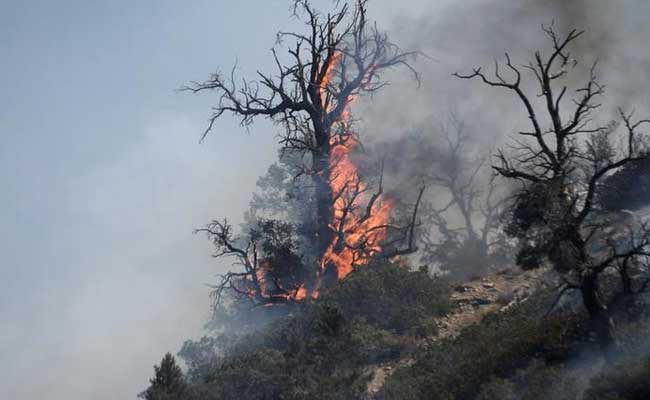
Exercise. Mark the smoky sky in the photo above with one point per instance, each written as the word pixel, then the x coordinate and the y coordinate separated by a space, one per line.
pixel 474 33
pixel 103 178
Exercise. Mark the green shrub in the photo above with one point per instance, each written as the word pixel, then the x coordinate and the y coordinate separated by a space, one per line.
pixel 497 347
pixel 316 355
pixel 538 381
pixel 390 297
pixel 257 376
pixel 168 382
pixel 322 349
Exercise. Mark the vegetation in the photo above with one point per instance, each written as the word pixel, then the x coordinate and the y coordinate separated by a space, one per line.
pixel 338 58
pixel 561 163
pixel 168 381
pixel 326 305
pixel 391 297
pixel 328 351
pixel 626 380
pixel 500 344
pixel 322 349
pixel 627 375
pixel 461 233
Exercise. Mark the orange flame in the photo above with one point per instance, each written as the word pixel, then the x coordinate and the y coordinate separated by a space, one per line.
pixel 360 227
pixel 360 231
pixel 270 292
pixel 356 229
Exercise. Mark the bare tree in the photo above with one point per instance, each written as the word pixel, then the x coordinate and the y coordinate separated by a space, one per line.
pixel 561 169
pixel 340 57
pixel 471 247
pixel 461 231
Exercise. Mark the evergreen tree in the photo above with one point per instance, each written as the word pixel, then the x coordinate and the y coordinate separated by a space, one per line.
pixel 168 381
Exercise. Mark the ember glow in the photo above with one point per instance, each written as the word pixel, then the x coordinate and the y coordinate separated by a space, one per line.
pixel 273 291
pixel 270 290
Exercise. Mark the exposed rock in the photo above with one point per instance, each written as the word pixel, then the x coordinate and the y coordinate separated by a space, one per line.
pixel 379 375
pixel 474 300
pixel 493 293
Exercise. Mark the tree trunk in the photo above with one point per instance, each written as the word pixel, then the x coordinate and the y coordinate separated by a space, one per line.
pixel 597 311
pixel 324 199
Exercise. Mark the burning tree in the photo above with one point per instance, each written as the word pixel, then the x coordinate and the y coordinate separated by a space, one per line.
pixel 337 59
pixel 561 169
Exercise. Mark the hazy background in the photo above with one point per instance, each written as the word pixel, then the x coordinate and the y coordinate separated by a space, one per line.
pixel 103 180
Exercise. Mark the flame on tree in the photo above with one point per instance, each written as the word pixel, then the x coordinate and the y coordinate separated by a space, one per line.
pixel 337 59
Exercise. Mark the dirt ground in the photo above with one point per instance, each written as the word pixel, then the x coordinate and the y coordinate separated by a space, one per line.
pixel 473 300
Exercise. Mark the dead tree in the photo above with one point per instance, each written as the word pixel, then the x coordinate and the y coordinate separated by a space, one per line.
pixel 460 231
pixel 463 248
pixel 339 57
pixel 561 168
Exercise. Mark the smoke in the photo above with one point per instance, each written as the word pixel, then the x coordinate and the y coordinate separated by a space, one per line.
pixel 476 32
pixel 458 36
pixel 461 36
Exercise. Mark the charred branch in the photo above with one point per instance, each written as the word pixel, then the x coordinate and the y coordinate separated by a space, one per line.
pixel 408 232
pixel 339 57
pixel 562 171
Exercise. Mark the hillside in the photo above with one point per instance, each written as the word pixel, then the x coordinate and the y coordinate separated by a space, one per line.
pixel 387 333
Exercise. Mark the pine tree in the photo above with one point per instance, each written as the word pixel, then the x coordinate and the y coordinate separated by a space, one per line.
pixel 168 381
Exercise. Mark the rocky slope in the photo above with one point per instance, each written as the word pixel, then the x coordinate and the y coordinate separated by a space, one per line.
pixel 473 300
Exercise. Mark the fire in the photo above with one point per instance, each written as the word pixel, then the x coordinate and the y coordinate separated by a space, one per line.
pixel 361 232
pixel 271 293
pixel 359 221
pixel 360 218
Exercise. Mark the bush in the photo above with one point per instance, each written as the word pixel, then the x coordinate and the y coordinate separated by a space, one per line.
pixel 497 347
pixel 319 354
pixel 625 380
pixel 538 381
pixel 321 349
pixel 168 382
pixel 390 297
pixel 259 375
pixel 627 375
